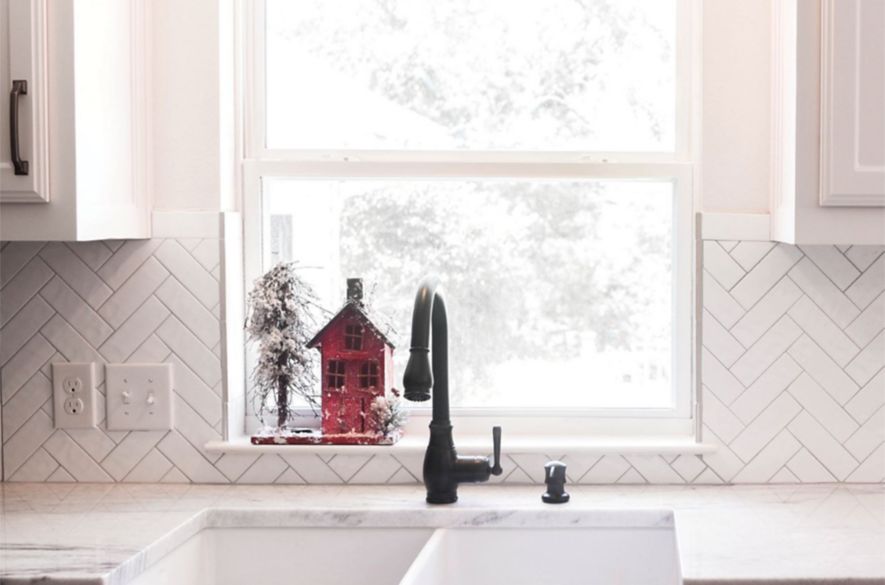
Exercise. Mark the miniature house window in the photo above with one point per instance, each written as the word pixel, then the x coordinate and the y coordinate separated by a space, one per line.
pixel 336 374
pixel 368 376
pixel 353 337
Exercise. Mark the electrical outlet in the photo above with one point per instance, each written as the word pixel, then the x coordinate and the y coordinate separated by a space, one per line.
pixel 139 397
pixel 73 395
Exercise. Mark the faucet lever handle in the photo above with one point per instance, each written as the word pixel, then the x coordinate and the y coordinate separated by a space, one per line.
pixel 496 445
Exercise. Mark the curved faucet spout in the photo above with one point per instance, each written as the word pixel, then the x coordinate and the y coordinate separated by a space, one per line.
pixel 443 468
pixel 429 323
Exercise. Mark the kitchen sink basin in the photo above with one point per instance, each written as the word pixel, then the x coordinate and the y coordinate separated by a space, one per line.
pixel 560 556
pixel 616 551
pixel 318 556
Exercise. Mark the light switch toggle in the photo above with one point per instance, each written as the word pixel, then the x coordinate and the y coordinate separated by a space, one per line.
pixel 139 397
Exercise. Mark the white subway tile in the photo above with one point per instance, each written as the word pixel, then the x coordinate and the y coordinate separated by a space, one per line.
pixel 823 331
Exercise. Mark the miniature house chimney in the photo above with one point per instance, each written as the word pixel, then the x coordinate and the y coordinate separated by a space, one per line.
pixel 355 290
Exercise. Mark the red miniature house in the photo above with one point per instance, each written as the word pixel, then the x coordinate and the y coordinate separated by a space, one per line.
pixel 357 367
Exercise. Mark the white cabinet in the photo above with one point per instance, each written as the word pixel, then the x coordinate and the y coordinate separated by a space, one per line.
pixel 828 121
pixel 852 103
pixel 82 125
pixel 24 172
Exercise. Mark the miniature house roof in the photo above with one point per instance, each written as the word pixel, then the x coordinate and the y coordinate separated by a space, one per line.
pixel 353 306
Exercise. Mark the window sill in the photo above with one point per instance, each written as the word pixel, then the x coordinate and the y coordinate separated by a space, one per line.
pixel 482 445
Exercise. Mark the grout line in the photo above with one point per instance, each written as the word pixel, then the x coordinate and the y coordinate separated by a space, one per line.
pixel 786 312
pixel 770 402
pixel 746 272
pixel 827 315
pixel 197 449
pixel 8 318
pixel 863 270
pixel 172 312
pixel 355 473
pixel 824 272
pixel 295 471
pixel 824 426
pixel 767 443
pixel 28 381
pixel 282 471
pixel 840 368
pixel 57 463
pixel 180 395
pixel 33 414
pixel 189 253
pixel 36 254
pixel 175 468
pixel 242 473
pixel 78 334
pixel 860 464
pixel 172 272
pixel 105 261
pixel 712 316
pixel 403 466
pixel 79 296
pixel 88 454
pixel 38 330
pixel 126 280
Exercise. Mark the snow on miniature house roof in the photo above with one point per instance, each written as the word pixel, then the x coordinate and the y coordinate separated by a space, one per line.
pixel 354 306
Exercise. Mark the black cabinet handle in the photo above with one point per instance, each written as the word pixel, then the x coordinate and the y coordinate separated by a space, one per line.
pixel 19 87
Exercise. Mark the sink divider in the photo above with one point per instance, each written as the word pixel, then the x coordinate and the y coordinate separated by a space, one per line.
pixel 428 568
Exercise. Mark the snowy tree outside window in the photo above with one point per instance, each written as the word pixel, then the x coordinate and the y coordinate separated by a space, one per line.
pixel 560 263
pixel 557 292
pixel 471 74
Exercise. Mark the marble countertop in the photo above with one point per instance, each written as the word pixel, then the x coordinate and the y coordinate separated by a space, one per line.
pixel 90 534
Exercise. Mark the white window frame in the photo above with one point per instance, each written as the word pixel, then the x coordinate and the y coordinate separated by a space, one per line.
pixel 678 167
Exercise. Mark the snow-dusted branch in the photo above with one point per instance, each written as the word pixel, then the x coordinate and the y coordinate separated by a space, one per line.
pixel 280 321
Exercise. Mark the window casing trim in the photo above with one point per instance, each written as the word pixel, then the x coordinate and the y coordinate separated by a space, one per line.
pixel 259 162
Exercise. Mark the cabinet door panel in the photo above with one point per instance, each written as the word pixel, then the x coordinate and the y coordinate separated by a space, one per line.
pixel 23 58
pixel 853 103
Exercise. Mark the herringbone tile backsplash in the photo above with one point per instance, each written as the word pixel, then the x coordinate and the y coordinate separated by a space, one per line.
pixel 793 385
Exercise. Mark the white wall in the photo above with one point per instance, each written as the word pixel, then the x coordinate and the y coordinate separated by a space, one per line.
pixel 736 105
pixel 187 73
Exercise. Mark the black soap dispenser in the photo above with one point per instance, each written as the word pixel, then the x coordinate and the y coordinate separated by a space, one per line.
pixel 554 477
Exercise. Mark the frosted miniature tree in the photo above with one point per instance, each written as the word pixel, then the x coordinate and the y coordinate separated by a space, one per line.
pixel 280 320
pixel 388 414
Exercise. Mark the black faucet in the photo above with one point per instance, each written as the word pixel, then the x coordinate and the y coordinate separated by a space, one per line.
pixel 443 468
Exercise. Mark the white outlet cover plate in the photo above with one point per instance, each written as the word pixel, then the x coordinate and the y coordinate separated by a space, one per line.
pixel 73 395
pixel 139 397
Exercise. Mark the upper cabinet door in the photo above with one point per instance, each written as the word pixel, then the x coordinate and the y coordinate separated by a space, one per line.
pixel 24 145
pixel 852 164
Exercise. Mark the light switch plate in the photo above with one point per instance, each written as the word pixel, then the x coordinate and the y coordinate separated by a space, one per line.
pixel 73 395
pixel 139 397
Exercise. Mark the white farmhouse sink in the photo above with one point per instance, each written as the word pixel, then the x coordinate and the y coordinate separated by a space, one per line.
pixel 558 556
pixel 318 556
pixel 610 553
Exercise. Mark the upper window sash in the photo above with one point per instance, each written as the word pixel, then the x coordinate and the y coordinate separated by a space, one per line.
pixel 254 130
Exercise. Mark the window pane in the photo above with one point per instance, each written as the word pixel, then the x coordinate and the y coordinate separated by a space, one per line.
pixel 471 74
pixel 558 292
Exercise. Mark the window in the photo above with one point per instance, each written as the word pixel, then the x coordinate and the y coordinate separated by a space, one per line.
pixel 353 337
pixel 533 155
pixel 335 374
pixel 368 374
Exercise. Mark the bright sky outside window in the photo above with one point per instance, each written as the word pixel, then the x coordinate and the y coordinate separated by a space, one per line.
pixel 585 75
